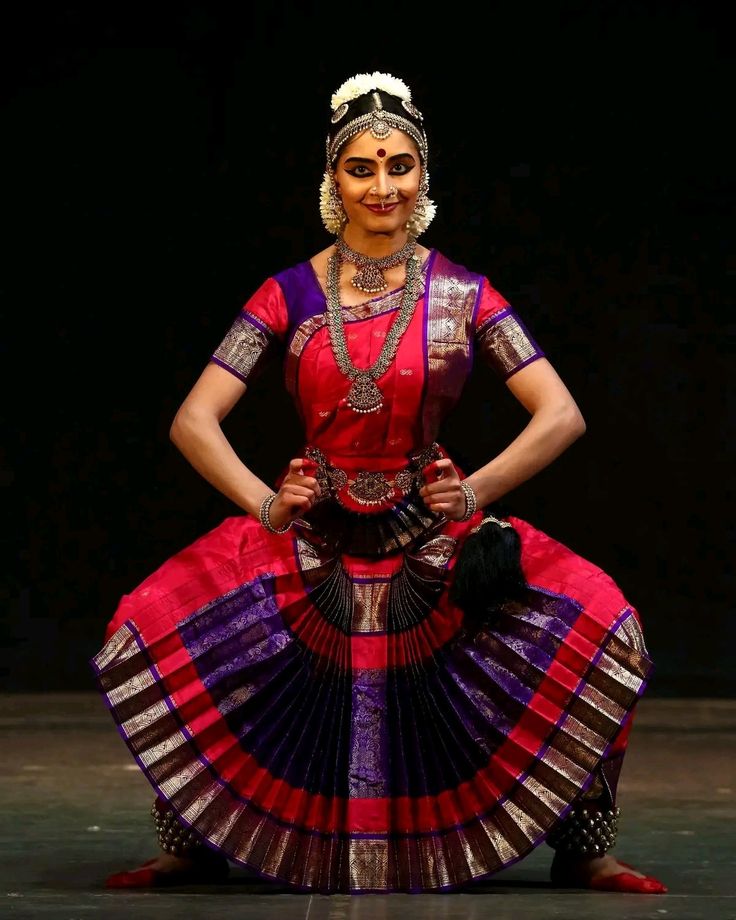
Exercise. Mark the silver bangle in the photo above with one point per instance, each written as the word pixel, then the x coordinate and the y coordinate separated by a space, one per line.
pixel 266 520
pixel 471 501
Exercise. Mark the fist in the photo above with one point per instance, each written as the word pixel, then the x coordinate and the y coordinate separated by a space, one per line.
pixel 297 493
pixel 442 492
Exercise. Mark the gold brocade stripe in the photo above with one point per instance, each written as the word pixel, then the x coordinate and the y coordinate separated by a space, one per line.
pixel 297 855
pixel 504 344
pixel 451 298
pixel 386 603
pixel 243 346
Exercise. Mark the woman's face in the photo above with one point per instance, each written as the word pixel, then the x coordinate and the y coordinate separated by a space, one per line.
pixel 378 181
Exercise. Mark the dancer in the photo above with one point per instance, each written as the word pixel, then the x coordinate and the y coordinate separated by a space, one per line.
pixel 373 679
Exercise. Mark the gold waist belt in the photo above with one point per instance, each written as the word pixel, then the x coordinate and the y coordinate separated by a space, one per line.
pixel 371 488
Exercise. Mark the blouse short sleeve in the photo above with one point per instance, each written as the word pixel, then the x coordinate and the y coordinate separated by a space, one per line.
pixel 502 339
pixel 255 333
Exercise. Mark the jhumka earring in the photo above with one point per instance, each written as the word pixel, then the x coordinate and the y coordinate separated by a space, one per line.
pixel 424 209
pixel 330 205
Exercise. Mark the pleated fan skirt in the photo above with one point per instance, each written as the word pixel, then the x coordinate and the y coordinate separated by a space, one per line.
pixel 325 720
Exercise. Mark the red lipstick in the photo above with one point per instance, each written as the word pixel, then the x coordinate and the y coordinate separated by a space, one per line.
pixel 386 209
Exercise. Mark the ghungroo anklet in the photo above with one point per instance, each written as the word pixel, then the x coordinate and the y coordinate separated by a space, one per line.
pixel 173 837
pixel 585 832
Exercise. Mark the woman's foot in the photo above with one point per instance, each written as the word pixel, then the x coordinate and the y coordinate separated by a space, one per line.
pixel 602 873
pixel 166 869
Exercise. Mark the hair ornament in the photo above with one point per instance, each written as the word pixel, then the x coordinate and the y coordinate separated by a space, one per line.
pixel 363 83
pixel 340 112
pixel 379 103
pixel 412 109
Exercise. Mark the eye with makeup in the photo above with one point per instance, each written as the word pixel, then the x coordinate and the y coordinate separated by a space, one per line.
pixel 361 171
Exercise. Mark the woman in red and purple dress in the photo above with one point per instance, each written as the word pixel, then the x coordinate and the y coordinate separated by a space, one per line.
pixel 304 687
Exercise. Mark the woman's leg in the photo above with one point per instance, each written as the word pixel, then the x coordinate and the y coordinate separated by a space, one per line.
pixel 582 840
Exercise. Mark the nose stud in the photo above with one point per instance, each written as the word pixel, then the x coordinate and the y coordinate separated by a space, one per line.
pixel 392 190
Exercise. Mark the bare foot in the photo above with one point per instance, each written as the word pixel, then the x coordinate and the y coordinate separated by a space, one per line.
pixel 594 867
pixel 168 869
pixel 605 873
pixel 167 862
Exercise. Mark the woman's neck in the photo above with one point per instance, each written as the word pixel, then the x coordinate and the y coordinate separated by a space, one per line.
pixel 375 245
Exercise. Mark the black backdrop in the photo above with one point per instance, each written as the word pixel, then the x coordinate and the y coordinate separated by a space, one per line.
pixel 160 163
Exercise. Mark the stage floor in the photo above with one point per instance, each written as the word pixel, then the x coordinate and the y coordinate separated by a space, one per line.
pixel 75 807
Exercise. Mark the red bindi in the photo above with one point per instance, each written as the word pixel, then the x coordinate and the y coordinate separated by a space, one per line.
pixel 380 152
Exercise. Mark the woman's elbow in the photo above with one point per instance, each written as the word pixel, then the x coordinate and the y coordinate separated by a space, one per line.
pixel 575 421
pixel 175 430
pixel 183 424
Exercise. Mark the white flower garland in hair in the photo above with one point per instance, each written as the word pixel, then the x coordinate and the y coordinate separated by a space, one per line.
pixel 363 83
pixel 356 86
pixel 326 206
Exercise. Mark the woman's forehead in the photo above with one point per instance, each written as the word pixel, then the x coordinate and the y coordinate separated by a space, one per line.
pixel 365 145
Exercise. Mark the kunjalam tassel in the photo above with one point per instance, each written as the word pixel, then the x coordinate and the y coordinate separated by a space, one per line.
pixel 487 572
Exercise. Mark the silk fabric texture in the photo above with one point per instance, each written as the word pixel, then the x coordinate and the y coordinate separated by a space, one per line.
pixel 319 715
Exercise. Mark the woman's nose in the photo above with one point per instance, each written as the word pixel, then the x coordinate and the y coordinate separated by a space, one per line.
pixel 383 188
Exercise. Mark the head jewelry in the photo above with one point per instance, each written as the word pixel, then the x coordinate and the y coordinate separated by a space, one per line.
pixel 378 102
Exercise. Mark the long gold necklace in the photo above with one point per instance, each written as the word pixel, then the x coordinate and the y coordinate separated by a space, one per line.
pixel 365 395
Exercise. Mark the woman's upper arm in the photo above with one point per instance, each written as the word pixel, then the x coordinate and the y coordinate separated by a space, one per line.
pixel 505 343
pixel 538 385
pixel 252 339
pixel 214 394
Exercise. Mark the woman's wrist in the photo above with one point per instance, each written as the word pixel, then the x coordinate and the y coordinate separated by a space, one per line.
pixel 471 500
pixel 482 486
pixel 264 515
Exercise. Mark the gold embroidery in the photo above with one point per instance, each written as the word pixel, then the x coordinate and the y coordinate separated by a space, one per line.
pixel 371 606
pixel 243 346
pixel 449 309
pixel 504 344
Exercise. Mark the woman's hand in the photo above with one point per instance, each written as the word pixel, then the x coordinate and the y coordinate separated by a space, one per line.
pixel 297 493
pixel 442 490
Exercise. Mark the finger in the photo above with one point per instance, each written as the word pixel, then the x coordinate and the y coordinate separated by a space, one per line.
pixel 446 497
pixel 447 469
pixel 307 482
pixel 297 506
pixel 309 467
pixel 443 487
pixel 431 472
pixel 290 489
pixel 439 469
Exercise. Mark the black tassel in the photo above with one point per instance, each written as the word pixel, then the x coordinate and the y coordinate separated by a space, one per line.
pixel 487 573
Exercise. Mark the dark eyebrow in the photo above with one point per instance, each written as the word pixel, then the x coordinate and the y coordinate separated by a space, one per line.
pixel 396 156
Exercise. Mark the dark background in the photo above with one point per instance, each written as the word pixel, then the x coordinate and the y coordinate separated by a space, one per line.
pixel 160 163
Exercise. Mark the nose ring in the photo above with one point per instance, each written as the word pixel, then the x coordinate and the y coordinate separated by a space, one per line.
pixel 392 190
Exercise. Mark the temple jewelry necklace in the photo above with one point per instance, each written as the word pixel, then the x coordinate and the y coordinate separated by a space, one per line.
pixel 369 276
pixel 364 394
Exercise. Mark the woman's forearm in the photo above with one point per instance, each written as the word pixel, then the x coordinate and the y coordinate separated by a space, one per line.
pixel 202 441
pixel 548 433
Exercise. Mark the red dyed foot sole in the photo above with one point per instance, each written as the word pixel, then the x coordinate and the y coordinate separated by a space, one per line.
pixel 146 877
pixel 626 882
pixel 137 878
